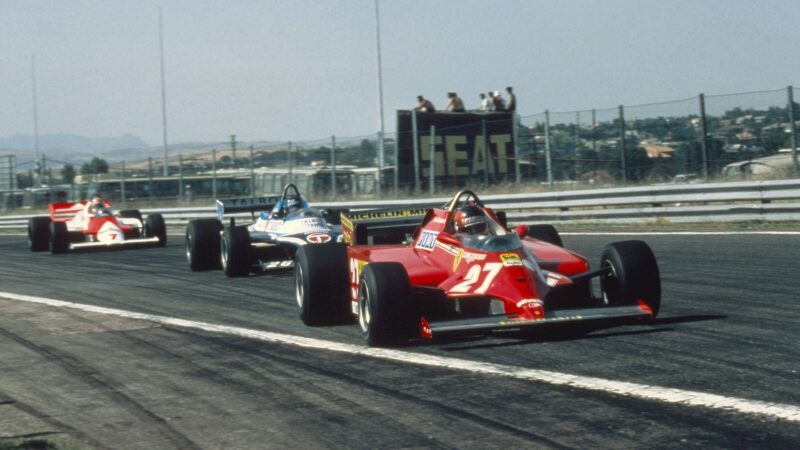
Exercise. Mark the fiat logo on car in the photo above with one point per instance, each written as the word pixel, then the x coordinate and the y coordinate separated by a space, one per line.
pixel 318 238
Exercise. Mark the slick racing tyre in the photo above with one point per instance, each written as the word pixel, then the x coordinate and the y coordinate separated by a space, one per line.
pixel 203 244
pixel 546 233
pixel 386 312
pixel 235 251
pixel 39 234
pixel 154 226
pixel 322 286
pixel 633 275
pixel 59 238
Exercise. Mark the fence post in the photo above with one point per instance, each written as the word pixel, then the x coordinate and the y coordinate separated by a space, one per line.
pixel 578 166
pixel 623 145
pixel 333 166
pixel 415 141
pixel 704 140
pixel 180 177
pixel 485 153
pixel 150 177
pixel 289 155
pixel 252 173
pixel 432 188
pixel 396 167
pixel 122 184
pixel 214 173
pixel 793 130
pixel 547 156
pixel 515 134
pixel 594 144
pixel 381 163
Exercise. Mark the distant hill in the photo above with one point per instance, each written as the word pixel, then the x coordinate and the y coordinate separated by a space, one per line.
pixel 71 143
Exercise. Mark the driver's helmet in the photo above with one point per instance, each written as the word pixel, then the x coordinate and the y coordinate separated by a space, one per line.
pixel 471 220
pixel 96 201
pixel 293 204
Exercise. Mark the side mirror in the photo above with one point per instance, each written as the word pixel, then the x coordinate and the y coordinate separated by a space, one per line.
pixel 448 238
pixel 521 230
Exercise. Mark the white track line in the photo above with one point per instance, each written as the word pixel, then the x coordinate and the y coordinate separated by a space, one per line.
pixel 642 391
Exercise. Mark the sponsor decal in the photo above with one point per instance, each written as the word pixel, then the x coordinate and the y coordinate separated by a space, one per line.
pixel 439 220
pixel 318 238
pixel 425 330
pixel 530 302
pixel 356 266
pixel 510 259
pixel 369 215
pixel 427 240
pixel 278 264
pixel 467 256
pixel 346 222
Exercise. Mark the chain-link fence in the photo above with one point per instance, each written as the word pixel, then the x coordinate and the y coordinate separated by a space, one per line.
pixel 715 137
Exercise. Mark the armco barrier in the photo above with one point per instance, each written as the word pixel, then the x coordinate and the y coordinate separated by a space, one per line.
pixel 713 202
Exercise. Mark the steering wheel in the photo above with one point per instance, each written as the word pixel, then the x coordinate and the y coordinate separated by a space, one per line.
pixel 457 202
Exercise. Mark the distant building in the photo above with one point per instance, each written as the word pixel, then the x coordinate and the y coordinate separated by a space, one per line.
pixel 659 151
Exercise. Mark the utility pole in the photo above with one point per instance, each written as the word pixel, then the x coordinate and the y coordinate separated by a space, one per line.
pixel 233 148
pixel 163 91
pixel 35 122
pixel 704 131
pixel 793 130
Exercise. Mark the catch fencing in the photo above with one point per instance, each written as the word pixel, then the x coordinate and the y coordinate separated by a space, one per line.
pixel 741 136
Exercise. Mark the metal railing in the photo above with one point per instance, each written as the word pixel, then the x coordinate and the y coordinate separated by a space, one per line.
pixel 776 200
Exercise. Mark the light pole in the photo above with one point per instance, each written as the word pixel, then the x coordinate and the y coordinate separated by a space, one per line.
pixel 380 101
pixel 163 90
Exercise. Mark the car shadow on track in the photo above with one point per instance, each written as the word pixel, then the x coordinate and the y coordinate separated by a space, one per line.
pixel 563 334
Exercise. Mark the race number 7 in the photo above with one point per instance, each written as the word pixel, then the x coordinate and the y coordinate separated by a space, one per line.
pixel 474 275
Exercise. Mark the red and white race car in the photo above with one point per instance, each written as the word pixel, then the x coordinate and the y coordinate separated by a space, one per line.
pixel 87 225
pixel 462 270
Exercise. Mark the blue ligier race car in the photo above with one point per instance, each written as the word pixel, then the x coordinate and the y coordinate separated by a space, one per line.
pixel 283 225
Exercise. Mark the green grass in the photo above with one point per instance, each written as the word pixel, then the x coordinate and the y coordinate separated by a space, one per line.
pixel 37 444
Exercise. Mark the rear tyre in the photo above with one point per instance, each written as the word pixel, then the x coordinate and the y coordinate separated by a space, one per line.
pixel 39 234
pixel 322 284
pixel 203 244
pixel 235 251
pixel 386 313
pixel 633 275
pixel 59 238
pixel 154 226
pixel 546 233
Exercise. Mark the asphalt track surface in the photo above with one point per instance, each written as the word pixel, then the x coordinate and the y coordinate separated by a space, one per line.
pixel 728 326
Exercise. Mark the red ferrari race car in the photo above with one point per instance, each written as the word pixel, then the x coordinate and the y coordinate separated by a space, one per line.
pixel 463 271
pixel 92 225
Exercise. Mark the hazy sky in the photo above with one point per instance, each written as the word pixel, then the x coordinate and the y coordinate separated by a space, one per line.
pixel 301 70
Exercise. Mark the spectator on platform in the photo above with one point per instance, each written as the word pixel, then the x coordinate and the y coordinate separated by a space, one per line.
pixel 425 105
pixel 497 101
pixel 454 103
pixel 512 100
pixel 486 103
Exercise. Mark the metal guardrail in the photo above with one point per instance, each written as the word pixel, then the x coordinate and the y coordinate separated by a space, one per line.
pixel 777 200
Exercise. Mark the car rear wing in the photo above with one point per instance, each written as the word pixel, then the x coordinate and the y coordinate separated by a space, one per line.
pixel 61 212
pixel 251 205
pixel 380 226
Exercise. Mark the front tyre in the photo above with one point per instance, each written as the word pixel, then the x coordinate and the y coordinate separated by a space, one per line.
pixel 633 275
pixel 386 312
pixel 235 250
pixel 39 234
pixel 59 238
pixel 321 284
pixel 155 226
pixel 203 244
